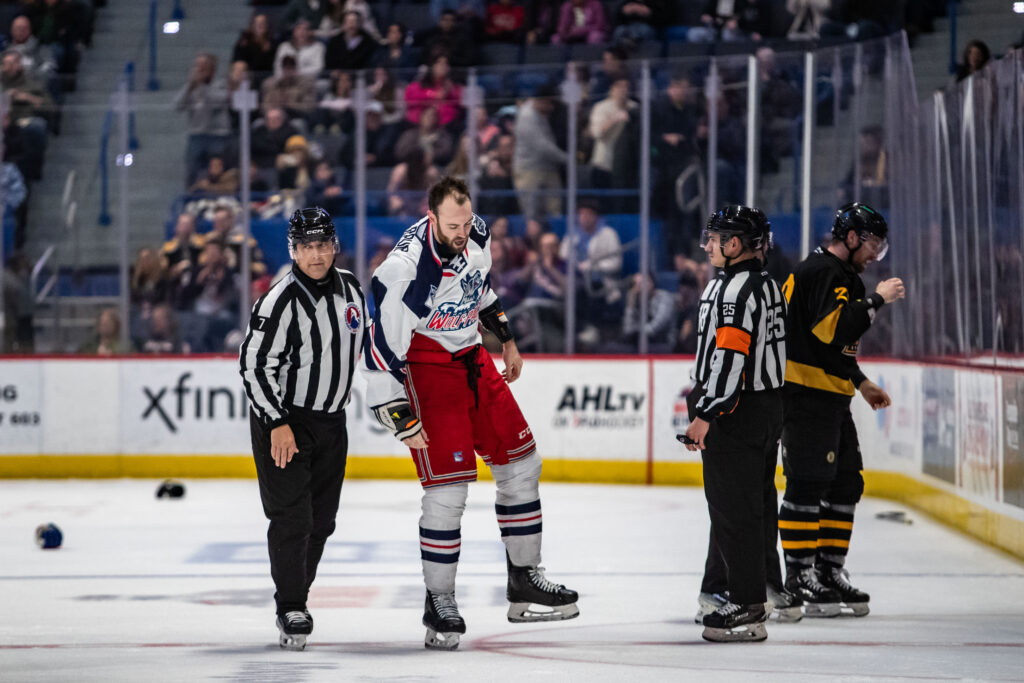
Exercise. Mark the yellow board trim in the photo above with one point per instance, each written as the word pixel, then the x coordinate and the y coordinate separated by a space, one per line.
pixel 1002 531
pixel 816 378
pixel 834 524
pixel 789 524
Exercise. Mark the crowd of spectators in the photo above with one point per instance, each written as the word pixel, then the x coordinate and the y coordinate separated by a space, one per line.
pixel 302 58
pixel 41 42
pixel 184 295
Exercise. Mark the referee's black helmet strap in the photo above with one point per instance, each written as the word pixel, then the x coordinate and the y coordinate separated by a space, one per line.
pixel 311 224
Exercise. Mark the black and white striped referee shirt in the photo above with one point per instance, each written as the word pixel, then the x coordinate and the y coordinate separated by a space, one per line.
pixel 302 345
pixel 741 338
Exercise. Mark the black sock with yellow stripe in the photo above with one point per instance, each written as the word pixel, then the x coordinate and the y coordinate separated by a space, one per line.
pixel 836 524
pixel 798 530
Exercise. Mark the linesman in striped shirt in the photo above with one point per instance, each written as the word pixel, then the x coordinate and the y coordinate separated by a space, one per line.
pixel 736 413
pixel 301 348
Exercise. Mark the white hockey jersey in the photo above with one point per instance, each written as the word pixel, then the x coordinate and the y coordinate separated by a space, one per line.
pixel 415 292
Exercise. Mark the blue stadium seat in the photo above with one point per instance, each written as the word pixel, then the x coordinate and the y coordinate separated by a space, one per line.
pixel 414 16
pixel 500 54
pixel 679 50
pixel 587 53
pixel 544 54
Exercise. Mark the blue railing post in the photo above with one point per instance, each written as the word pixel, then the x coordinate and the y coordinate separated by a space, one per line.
pixel 133 141
pixel 104 217
pixel 177 14
pixel 153 83
pixel 951 13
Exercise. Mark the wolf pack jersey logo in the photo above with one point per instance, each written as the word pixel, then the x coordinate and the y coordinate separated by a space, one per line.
pixel 459 316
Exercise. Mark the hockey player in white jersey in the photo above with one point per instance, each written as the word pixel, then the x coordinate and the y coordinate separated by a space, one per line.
pixel 432 384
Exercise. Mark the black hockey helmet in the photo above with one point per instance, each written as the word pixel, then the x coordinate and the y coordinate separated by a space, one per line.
pixel 735 220
pixel 863 220
pixel 312 224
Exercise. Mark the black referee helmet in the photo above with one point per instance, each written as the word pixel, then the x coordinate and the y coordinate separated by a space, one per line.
pixel 735 220
pixel 312 224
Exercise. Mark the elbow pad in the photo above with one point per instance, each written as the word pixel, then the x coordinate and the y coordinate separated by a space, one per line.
pixel 495 321
pixel 397 417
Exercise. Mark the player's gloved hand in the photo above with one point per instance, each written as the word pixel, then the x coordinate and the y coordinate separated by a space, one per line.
pixel 397 417
pixel 891 289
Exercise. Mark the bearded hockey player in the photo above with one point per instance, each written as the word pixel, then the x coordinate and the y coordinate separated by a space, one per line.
pixel 432 384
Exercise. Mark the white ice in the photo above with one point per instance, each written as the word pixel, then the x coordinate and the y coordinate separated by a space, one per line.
pixel 175 590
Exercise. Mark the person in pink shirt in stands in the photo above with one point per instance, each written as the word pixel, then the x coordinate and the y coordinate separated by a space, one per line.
pixel 436 89
pixel 581 21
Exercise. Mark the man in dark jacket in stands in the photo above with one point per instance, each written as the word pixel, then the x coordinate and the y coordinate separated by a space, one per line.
pixel 353 48
pixel 269 137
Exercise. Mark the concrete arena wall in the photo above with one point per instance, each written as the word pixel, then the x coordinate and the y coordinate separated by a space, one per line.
pixel 951 445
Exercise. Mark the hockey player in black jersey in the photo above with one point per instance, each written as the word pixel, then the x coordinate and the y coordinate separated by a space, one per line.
pixel 828 313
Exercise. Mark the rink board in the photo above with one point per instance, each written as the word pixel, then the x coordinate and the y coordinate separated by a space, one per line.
pixel 951 444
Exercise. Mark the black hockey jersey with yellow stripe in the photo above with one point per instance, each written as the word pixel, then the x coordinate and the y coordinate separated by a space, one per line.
pixel 826 317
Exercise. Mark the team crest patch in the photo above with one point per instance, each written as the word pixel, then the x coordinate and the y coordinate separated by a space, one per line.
pixel 353 318
pixel 457 455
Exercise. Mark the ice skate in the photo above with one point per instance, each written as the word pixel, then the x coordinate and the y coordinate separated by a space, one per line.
pixel 732 623
pixel 294 627
pixel 443 621
pixel 854 601
pixel 708 603
pixel 528 587
pixel 819 600
pixel 783 606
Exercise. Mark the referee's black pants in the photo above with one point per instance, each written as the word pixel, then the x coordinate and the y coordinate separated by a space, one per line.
pixel 740 455
pixel 301 500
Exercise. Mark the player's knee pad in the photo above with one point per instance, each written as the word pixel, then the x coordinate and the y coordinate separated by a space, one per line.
pixel 442 506
pixel 804 491
pixel 518 482
pixel 847 488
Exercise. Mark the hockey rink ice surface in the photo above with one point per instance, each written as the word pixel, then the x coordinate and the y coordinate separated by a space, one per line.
pixel 179 590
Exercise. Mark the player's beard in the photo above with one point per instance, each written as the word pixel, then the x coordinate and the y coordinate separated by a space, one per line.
pixel 449 247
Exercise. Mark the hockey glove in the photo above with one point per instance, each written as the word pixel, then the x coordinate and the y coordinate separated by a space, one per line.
pixel 397 417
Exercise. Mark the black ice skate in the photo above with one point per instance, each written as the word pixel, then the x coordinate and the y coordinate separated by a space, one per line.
pixel 708 603
pixel 786 608
pixel 294 627
pixel 819 599
pixel 732 623
pixel 443 621
pixel 527 586
pixel 854 601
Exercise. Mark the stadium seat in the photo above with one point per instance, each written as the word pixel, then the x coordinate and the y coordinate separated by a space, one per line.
pixel 544 54
pixel 415 17
pixel 582 52
pixel 500 54
pixel 675 34
pixel 678 50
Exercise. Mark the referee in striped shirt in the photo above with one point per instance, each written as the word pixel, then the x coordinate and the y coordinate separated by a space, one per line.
pixel 736 412
pixel 301 348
